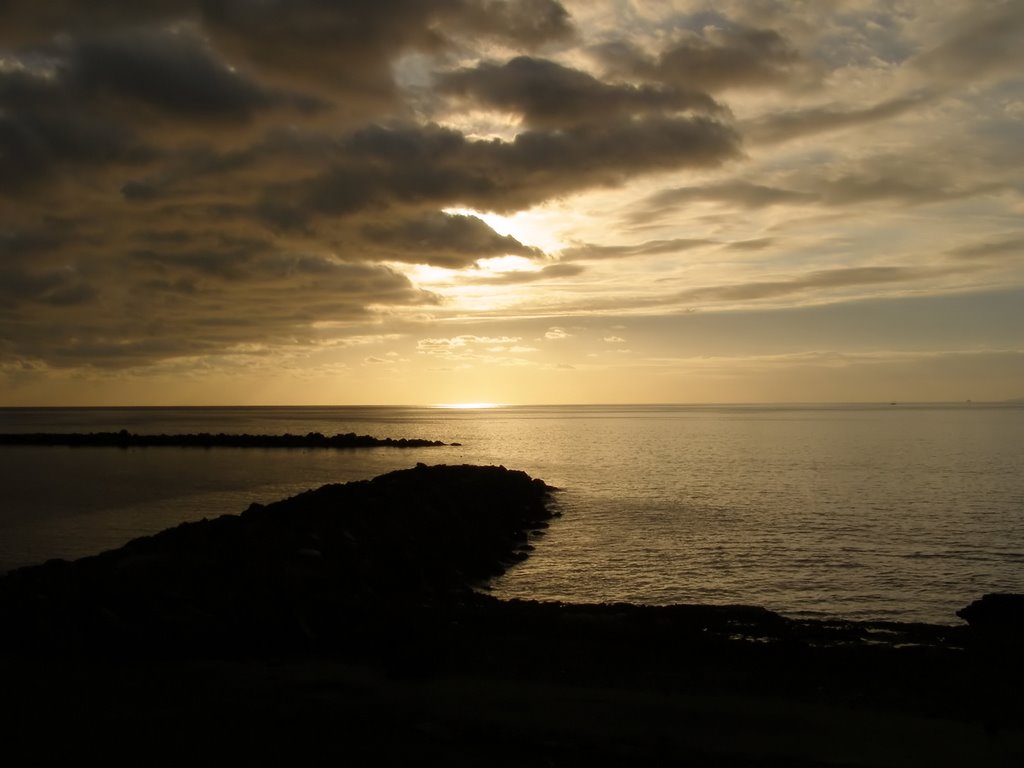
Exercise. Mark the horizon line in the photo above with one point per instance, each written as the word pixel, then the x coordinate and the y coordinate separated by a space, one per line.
pixel 485 405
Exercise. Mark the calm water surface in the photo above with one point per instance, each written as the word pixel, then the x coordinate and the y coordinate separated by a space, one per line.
pixel 861 511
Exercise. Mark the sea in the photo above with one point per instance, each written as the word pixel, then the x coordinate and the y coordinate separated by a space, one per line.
pixel 886 511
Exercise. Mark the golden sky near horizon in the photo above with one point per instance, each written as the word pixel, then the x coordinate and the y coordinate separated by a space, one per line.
pixel 513 201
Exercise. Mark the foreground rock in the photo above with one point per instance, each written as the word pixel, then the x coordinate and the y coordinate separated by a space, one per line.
pixel 997 612
pixel 126 439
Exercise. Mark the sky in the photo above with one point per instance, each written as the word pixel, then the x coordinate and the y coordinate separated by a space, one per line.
pixel 510 201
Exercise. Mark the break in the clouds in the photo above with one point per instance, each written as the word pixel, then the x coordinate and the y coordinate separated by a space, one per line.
pixel 203 190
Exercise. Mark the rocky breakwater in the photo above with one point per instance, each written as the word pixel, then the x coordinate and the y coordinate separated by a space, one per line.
pixel 126 439
pixel 318 567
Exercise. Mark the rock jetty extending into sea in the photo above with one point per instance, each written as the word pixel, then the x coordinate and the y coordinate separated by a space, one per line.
pixel 345 624
pixel 292 572
pixel 126 439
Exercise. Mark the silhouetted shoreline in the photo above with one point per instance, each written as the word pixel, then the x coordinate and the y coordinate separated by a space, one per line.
pixel 125 439
pixel 345 623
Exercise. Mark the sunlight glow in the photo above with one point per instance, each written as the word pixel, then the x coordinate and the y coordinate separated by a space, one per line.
pixel 425 274
pixel 533 227
pixel 502 264
pixel 466 406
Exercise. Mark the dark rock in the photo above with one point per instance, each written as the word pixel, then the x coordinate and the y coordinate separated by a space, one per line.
pixel 996 610
pixel 125 439
pixel 308 566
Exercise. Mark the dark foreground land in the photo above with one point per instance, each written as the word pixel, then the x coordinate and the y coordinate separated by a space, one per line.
pixel 341 626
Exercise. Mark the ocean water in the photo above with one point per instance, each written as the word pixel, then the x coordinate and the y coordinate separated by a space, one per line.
pixel 902 512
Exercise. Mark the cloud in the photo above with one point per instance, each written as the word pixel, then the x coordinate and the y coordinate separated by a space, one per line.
pixel 443 240
pixel 738 193
pixel 784 126
pixel 590 251
pixel 48 136
pixel 841 277
pixel 55 288
pixel 522 277
pixel 170 70
pixel 174 307
pixel 344 47
pixel 180 178
pixel 713 59
pixel 1000 248
pixel 465 346
pixel 557 334
pixel 983 41
pixel 872 180
pixel 755 244
pixel 188 183
pixel 432 165
pixel 820 285
pixel 549 95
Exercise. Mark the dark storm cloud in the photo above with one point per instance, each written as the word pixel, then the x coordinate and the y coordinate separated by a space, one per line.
pixel 41 142
pixel 230 264
pixel 431 165
pixel 29 244
pixel 443 240
pixel 33 286
pixel 172 71
pixel 106 101
pixel 715 60
pixel 300 22
pixel 188 178
pixel 140 320
pixel 380 168
pixel 346 48
pixel 549 95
